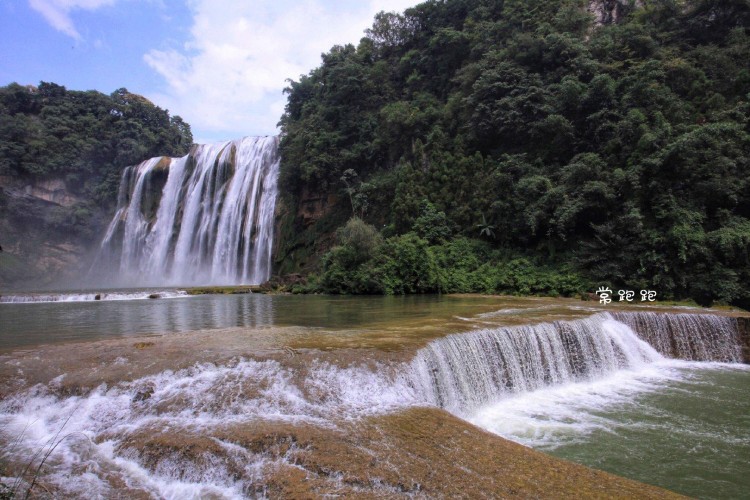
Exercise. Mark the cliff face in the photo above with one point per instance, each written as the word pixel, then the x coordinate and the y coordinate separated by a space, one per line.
pixel 611 11
pixel 305 229
pixel 52 190
pixel 743 324
pixel 39 235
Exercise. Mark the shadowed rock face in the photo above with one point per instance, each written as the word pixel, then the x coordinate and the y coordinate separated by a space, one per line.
pixel 610 11
pixel 34 251
pixel 51 190
pixel 743 325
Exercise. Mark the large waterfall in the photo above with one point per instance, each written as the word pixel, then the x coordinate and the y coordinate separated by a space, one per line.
pixel 204 218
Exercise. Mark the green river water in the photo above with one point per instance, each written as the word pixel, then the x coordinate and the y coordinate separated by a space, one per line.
pixel 681 425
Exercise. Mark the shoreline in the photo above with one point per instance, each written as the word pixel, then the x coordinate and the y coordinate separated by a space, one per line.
pixel 489 311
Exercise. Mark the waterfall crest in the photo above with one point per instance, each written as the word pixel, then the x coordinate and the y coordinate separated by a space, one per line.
pixel 462 372
pixel 204 218
pixel 694 337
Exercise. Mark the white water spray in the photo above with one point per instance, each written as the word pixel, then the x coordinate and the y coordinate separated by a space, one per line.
pixel 211 222
pixel 462 373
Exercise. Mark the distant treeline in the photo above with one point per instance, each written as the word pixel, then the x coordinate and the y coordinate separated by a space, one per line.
pixel 85 138
pixel 493 141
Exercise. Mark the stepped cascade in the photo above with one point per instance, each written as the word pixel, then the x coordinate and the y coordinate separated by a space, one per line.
pixel 694 337
pixel 462 372
pixel 488 377
pixel 204 218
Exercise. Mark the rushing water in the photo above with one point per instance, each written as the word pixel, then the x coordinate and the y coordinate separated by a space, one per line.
pixel 203 218
pixel 606 391
pixel 48 297
pixel 676 424
pixel 603 389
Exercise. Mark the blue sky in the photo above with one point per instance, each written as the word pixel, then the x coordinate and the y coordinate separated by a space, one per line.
pixel 220 64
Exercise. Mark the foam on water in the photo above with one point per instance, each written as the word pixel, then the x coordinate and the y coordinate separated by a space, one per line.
pixel 91 297
pixel 541 385
pixel 91 433
pixel 548 417
pixel 465 371
pixel 676 424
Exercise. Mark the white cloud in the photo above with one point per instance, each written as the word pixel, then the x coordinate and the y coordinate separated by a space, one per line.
pixel 227 80
pixel 57 12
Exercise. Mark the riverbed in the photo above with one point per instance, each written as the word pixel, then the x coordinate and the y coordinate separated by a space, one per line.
pixel 253 395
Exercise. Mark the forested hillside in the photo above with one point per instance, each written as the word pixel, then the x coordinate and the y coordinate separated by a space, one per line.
pixel 528 146
pixel 62 154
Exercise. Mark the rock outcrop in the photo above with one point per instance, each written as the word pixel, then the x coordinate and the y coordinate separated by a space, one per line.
pixel 611 11
pixel 305 229
pixel 52 190
pixel 38 244
pixel 743 325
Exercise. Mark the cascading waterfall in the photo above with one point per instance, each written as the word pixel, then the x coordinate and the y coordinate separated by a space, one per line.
pixel 203 218
pixel 694 337
pixel 462 372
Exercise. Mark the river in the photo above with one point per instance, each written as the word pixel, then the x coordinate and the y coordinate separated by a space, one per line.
pixel 113 373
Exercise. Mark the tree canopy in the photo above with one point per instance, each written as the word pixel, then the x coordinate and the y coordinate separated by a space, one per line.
pixel 86 138
pixel 618 151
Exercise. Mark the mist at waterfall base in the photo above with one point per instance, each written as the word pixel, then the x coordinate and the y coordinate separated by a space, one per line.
pixel 205 218
pixel 604 390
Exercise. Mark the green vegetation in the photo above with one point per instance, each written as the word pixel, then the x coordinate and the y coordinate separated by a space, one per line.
pixel 85 138
pixel 515 146
pixel 363 262
pixel 78 143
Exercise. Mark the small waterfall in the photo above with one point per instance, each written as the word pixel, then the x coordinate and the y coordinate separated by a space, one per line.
pixel 465 371
pixel 108 431
pixel 203 218
pixel 462 372
pixel 694 337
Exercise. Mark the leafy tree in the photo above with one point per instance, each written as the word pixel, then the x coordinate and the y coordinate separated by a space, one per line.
pixel 613 152
pixel 432 224
pixel 85 137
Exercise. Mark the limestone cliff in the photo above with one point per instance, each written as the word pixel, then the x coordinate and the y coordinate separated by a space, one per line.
pixel 305 227
pixel 41 235
pixel 743 325
pixel 611 11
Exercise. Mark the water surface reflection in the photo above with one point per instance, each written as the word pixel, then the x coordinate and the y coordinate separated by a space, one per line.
pixel 40 323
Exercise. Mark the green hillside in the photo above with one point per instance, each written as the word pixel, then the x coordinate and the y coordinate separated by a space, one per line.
pixel 62 153
pixel 520 146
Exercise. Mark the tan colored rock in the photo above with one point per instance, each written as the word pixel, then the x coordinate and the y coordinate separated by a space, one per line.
pixel 610 11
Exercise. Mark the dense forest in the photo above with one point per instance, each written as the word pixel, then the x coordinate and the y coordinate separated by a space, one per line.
pixel 86 137
pixel 82 141
pixel 528 146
